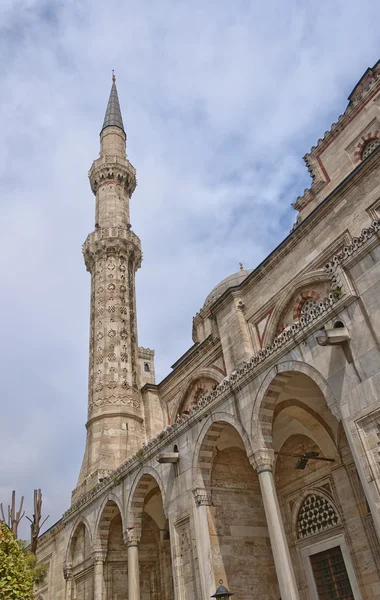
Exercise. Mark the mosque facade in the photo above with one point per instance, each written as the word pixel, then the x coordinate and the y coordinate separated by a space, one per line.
pixel 256 461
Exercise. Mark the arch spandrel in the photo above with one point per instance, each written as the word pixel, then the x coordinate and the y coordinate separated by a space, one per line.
pixel 110 499
pixel 81 520
pixel 269 392
pixel 290 292
pixel 134 506
pixel 202 465
pixel 205 373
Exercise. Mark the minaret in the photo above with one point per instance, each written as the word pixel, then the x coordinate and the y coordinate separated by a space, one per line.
pixel 112 255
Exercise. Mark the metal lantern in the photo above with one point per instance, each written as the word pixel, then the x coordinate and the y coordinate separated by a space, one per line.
pixel 222 592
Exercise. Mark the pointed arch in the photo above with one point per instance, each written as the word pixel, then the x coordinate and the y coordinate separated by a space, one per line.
pixel 81 520
pixel 206 442
pixel 313 277
pixel 110 507
pixel 206 372
pixel 269 392
pixel 138 492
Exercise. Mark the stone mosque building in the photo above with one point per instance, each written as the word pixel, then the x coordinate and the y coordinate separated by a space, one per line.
pixel 256 461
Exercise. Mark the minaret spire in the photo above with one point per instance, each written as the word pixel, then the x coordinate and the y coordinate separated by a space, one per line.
pixel 113 116
pixel 112 254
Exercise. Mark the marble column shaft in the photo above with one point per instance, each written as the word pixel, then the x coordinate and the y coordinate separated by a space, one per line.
pixel 285 574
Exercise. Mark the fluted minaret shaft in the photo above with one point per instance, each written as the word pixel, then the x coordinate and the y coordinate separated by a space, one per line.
pixel 112 255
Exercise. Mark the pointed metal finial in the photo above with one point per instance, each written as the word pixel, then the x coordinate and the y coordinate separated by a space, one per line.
pixel 241 266
pixel 113 116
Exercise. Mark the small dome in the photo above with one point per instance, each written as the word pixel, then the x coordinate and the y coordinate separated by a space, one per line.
pixel 228 282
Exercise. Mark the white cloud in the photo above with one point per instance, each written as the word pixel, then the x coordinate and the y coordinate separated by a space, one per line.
pixel 220 101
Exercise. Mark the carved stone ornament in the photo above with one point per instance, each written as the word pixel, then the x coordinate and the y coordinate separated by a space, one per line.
pixel 202 497
pixel 134 402
pixel 133 536
pixel 262 460
pixel 111 241
pixel 112 169
pixel 98 556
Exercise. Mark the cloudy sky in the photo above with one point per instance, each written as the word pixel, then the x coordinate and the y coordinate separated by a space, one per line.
pixel 220 102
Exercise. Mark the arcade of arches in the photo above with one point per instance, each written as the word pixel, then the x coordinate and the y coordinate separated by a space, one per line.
pixel 262 523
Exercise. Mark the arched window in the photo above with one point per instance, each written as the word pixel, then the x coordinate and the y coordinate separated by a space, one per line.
pixel 369 147
pixel 316 514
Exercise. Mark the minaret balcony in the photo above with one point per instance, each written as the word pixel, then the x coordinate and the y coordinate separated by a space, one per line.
pixel 112 168
pixel 112 240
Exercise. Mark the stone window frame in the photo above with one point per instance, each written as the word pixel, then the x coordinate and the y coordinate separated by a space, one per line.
pixel 318 493
pixel 295 501
pixel 321 546
pixel 370 136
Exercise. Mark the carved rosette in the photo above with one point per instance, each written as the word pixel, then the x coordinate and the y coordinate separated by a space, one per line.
pixel 112 168
pixel 112 255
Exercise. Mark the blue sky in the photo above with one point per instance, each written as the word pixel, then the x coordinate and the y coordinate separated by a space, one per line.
pixel 220 101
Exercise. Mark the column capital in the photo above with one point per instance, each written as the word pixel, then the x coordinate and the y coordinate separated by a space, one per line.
pixel 132 535
pixel 98 556
pixel 202 497
pixel 262 460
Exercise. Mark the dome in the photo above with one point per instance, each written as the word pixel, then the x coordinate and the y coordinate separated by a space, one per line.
pixel 226 284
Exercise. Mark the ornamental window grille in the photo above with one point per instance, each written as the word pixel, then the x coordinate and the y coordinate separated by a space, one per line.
pixel 330 574
pixel 315 515
pixel 308 305
pixel 370 147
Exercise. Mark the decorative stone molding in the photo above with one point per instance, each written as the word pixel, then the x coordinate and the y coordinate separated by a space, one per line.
pixel 262 460
pixel 133 535
pixel 202 497
pixel 110 168
pixel 111 241
pixel 98 556
pixel 332 267
pixel 132 400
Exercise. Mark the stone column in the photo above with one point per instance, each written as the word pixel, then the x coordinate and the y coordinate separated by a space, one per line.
pixel 98 557
pixel 202 500
pixel 68 575
pixel 262 461
pixel 133 540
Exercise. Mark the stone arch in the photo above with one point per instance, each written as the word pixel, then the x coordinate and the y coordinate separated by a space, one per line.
pixel 321 433
pixel 74 532
pixel 318 276
pixel 206 442
pixel 364 140
pixel 206 372
pixel 300 503
pixel 111 505
pixel 135 503
pixel 269 392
